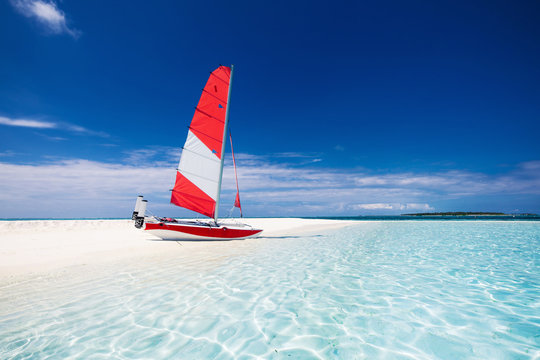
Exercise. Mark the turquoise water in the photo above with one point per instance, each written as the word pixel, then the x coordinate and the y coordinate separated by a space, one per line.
pixel 394 290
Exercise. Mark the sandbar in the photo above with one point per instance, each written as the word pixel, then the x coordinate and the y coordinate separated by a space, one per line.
pixel 37 247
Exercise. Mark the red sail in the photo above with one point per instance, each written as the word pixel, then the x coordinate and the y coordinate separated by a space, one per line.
pixel 189 196
pixel 237 202
pixel 237 199
pixel 209 119
pixel 197 180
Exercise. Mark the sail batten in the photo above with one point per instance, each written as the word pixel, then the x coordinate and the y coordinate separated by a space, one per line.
pixel 200 168
pixel 203 134
pixel 209 93
pixel 210 116
pixel 225 81
pixel 192 175
pixel 200 155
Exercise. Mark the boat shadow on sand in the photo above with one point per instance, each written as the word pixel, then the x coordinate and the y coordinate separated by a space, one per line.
pixel 255 238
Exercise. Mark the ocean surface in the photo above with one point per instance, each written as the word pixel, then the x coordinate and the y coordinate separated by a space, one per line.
pixel 518 217
pixel 375 290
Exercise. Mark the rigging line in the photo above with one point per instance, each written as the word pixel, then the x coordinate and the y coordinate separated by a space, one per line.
pixel 199 176
pixel 151 213
pixel 226 82
pixel 206 157
pixel 214 96
pixel 200 132
pixel 210 116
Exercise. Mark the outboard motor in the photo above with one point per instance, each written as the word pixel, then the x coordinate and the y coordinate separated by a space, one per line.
pixel 139 220
pixel 137 207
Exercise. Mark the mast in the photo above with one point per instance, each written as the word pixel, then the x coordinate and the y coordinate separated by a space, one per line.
pixel 223 145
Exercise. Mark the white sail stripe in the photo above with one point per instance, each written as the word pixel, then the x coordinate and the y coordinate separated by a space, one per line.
pixel 184 172
pixel 200 166
pixel 213 158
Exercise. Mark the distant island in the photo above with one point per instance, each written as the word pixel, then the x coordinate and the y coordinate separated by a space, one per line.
pixel 466 213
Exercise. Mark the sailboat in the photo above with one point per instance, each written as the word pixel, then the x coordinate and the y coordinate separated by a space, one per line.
pixel 200 171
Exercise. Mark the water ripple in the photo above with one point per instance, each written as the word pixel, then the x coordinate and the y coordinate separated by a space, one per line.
pixel 397 290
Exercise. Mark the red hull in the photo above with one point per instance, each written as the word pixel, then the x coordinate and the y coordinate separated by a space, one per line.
pixel 196 231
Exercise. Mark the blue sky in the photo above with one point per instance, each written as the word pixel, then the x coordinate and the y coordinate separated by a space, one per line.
pixel 338 108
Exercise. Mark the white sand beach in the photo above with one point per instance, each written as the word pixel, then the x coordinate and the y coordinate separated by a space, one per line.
pixel 36 247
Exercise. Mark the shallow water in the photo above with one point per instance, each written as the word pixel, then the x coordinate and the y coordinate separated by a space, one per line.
pixel 396 290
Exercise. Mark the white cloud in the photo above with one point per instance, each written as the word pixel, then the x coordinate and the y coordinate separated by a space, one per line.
pixel 47 14
pixel 291 154
pixel 413 206
pixel 39 124
pixel 7 153
pixel 52 138
pixel 530 165
pixel 90 188
pixel 396 206
pixel 340 190
pixel 166 156
pixel 77 188
pixel 27 123
pixel 377 206
pixel 83 130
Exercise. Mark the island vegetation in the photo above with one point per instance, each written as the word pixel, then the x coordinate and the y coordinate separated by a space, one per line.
pixel 466 213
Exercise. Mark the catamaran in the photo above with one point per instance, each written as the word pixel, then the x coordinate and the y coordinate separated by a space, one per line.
pixel 200 171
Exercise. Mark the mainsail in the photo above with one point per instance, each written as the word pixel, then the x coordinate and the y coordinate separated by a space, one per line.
pixel 198 179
